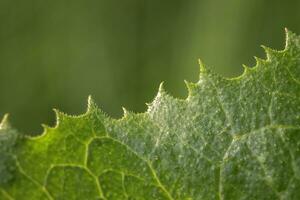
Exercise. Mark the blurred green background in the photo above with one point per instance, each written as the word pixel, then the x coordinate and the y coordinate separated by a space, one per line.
pixel 53 54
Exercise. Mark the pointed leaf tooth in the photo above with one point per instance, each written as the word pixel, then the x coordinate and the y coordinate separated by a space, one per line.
pixel 288 37
pixel 271 53
pixel 125 112
pixel 190 87
pixel 161 88
pixel 205 70
pixel 209 75
pixel 259 61
pixel 292 41
pixel 161 91
pixel 161 94
pixel 92 106
pixel 59 116
pixel 46 127
pixel 246 67
pixel 246 70
pixel 202 66
pixel 5 122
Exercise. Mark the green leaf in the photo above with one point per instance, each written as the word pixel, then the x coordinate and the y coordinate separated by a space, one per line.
pixel 229 139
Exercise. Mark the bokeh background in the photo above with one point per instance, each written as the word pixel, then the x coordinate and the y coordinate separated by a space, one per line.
pixel 54 53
